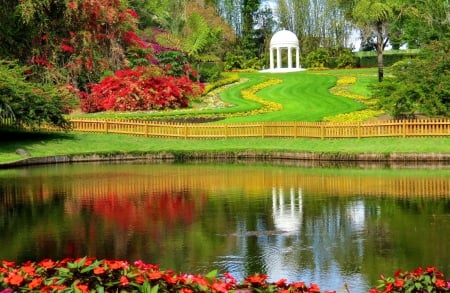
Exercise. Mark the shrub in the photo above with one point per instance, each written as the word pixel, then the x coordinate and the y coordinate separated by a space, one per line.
pixel 139 89
pixel 420 280
pixel 418 86
pixel 32 103
pixel 85 275
pixel 345 60
pixel 318 59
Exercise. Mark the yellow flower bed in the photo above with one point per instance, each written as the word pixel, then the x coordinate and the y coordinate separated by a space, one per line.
pixel 346 80
pixel 268 106
pixel 342 89
pixel 354 117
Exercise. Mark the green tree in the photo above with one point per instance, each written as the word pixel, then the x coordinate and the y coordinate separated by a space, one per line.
pixel 30 103
pixel 419 86
pixel 317 23
pixel 419 22
pixel 377 15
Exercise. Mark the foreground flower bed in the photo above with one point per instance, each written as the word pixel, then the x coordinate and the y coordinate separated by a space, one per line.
pixel 92 275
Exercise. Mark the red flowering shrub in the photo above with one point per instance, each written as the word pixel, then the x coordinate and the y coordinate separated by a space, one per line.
pixel 420 280
pixel 92 275
pixel 139 89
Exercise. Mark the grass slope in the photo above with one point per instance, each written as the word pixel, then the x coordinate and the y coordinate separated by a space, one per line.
pixel 304 97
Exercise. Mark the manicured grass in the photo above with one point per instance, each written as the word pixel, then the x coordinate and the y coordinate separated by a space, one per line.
pixel 42 144
pixel 304 96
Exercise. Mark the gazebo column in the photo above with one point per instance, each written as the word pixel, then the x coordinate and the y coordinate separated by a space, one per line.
pixel 278 57
pixel 297 57
pixel 271 59
pixel 289 57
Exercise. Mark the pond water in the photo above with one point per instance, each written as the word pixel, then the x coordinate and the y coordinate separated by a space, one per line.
pixel 331 226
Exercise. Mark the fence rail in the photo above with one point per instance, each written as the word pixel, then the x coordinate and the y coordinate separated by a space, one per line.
pixel 388 128
pixel 385 128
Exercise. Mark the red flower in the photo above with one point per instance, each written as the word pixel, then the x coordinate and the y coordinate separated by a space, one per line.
pixel 398 273
pixel 36 282
pixel 281 283
pixel 220 287
pixel 257 279
pixel 124 281
pixel 186 290
pixel 73 5
pixel 47 263
pixel 417 272
pixel 115 264
pixel 28 269
pixel 229 278
pixel 440 283
pixel 389 288
pixel 14 279
pixel 314 288
pixel 298 285
pixel 99 270
pixel 132 13
pixel 140 279
pixel 399 283
pixel 83 288
pixel 155 275
pixel 9 264
pixel 67 48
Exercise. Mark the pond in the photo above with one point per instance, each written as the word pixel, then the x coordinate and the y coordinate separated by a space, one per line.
pixel 328 225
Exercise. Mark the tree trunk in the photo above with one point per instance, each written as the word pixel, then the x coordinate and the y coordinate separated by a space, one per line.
pixel 380 50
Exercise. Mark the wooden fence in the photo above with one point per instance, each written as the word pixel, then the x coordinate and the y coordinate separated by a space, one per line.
pixel 388 128
pixel 385 128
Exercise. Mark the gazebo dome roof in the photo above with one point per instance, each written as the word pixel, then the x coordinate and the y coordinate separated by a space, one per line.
pixel 284 38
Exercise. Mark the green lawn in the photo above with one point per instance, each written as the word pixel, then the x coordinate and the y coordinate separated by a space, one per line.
pixel 42 144
pixel 304 96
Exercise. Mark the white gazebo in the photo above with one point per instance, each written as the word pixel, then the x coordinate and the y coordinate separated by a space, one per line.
pixel 284 40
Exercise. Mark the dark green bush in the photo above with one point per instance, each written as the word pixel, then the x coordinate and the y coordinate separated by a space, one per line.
pixel 319 58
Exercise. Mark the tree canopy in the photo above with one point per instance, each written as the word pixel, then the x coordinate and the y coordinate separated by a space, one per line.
pixel 420 86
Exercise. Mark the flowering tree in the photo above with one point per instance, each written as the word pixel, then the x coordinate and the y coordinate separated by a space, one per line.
pixel 74 41
pixel 78 42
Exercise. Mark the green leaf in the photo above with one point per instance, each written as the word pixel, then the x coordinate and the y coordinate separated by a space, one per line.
pixel 211 274
pixel 100 289
pixel 91 267
pixel 154 289
pixel 145 287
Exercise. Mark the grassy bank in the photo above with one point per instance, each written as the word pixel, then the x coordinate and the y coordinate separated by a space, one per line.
pixel 50 144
